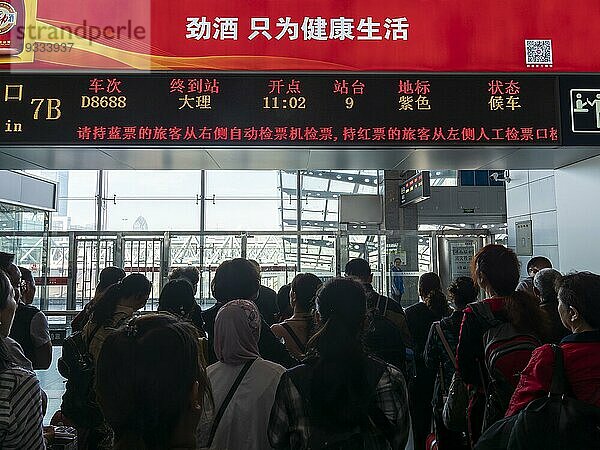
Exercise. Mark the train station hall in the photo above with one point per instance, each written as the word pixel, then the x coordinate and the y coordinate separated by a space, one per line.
pixel 299 225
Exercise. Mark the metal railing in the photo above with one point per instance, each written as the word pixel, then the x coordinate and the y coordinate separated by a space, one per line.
pixel 67 264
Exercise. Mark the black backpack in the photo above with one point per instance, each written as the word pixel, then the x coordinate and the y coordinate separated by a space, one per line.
pixel 383 337
pixel 77 365
pixel 342 439
pixel 555 422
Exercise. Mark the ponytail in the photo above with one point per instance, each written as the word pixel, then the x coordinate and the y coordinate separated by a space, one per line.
pixel 305 287
pixel 522 310
pixel 437 303
pixel 338 392
pixel 107 304
pixel 133 285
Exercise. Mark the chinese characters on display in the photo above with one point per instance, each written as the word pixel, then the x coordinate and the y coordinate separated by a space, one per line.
pixel 504 95
pixel 304 29
pixel 197 92
pixel 414 95
pixel 345 109
pixel 313 134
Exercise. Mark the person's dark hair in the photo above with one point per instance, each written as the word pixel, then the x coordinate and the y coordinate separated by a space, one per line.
pixel 189 273
pixel 545 282
pixel 497 267
pixel 463 291
pixel 134 285
pixel 6 259
pixel 339 396
pixel 580 291
pixel 397 259
pixel 108 276
pixel 177 297
pixel 26 275
pixel 305 286
pixel 430 290
pixel 158 359
pixel 5 286
pixel 283 301
pixel 541 262
pixel 358 268
pixel 236 279
pixel 6 359
pixel 255 264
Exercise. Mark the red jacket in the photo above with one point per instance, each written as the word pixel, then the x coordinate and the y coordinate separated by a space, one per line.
pixel 581 353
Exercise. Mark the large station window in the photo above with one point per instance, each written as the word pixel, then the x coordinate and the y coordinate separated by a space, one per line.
pixel 321 190
pixel 243 200
pixel 151 200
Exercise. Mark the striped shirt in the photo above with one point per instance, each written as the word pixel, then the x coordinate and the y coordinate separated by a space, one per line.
pixel 21 416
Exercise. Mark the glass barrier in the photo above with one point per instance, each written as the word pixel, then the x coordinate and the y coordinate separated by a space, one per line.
pixel 66 265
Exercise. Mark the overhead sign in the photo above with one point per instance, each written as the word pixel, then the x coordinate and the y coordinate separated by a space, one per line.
pixel 580 109
pixel 285 109
pixel 272 35
pixel 415 189
pixel 585 110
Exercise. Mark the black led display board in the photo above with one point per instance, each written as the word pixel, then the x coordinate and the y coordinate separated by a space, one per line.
pixel 415 189
pixel 283 109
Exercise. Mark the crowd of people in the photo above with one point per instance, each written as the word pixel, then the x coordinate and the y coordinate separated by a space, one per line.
pixel 318 365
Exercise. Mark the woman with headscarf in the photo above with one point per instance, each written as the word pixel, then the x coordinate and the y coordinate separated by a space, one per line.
pixel 243 383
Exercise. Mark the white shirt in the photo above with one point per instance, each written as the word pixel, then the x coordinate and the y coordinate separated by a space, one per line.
pixel 39 330
pixel 244 423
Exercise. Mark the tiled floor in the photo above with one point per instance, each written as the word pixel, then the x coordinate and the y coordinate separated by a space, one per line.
pixel 53 384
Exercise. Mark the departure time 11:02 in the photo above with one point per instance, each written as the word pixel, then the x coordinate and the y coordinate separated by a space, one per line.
pixel 284 103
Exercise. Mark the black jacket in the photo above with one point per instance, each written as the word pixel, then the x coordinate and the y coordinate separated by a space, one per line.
pixel 383 337
pixel 21 329
pixel 267 305
pixel 390 309
pixel 420 318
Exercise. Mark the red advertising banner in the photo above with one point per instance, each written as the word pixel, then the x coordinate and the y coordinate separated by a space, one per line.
pixel 275 35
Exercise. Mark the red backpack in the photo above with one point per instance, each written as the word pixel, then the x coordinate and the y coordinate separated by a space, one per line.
pixel 507 352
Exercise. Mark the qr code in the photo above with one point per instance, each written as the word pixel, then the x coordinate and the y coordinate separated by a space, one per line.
pixel 538 53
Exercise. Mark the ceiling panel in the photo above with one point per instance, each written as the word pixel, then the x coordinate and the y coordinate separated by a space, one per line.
pixel 357 159
pixel 272 158
pixel 16 162
pixel 74 158
pixel 543 158
pixel 468 158
pixel 69 158
pixel 161 158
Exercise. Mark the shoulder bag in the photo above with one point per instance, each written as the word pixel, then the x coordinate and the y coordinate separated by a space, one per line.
pixel 226 401
pixel 454 412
